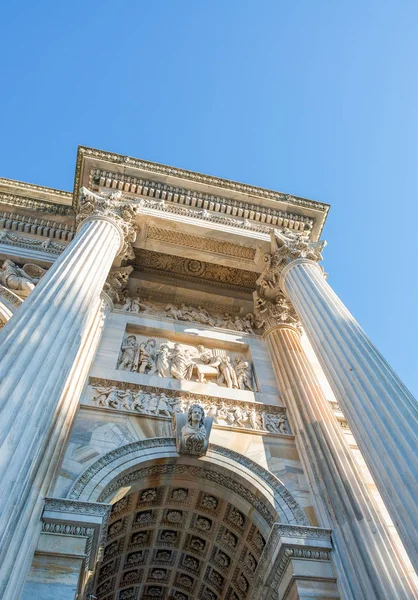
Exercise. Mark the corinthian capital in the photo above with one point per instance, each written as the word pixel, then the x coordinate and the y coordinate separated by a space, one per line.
pixel 112 206
pixel 278 311
pixel 287 246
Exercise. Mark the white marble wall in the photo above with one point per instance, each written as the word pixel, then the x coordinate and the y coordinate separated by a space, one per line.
pixel 98 430
pixel 242 343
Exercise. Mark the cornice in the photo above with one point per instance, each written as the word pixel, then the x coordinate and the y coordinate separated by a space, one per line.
pixel 12 199
pixel 32 187
pixel 208 180
pixel 36 226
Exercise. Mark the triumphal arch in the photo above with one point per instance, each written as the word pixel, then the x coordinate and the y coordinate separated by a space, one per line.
pixel 188 410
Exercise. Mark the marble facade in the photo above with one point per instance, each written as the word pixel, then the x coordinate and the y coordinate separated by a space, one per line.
pixel 188 411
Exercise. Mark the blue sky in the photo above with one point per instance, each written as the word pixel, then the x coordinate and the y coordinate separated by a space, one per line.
pixel 313 98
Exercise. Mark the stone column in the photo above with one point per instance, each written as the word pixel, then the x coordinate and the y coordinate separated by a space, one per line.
pixel 381 412
pixel 366 560
pixel 45 352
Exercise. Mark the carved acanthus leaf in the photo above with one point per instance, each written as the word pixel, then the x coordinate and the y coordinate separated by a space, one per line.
pixel 279 311
pixel 287 246
pixel 116 282
pixel 111 205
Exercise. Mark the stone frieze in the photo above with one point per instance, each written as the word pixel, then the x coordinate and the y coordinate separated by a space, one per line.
pixel 156 402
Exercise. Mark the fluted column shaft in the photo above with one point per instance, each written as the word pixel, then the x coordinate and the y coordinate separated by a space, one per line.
pixel 367 562
pixel 45 352
pixel 381 412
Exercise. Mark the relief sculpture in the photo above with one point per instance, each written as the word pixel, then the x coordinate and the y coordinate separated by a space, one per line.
pixel 244 323
pixel 192 431
pixel 151 401
pixel 178 361
pixel 20 280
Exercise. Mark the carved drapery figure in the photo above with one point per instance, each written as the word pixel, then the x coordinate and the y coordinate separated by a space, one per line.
pixel 128 356
pixel 192 431
pixel 20 280
pixel 243 372
pixel 162 361
pixel 181 363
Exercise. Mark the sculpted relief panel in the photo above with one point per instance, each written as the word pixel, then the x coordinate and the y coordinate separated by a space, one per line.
pixel 184 361
pixel 21 280
pixel 192 314
pixel 152 401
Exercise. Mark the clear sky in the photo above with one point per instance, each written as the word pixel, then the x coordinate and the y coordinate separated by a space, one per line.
pixel 316 98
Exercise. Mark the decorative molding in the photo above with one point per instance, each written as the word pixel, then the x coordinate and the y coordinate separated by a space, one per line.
pixel 310 543
pixel 77 507
pixel 10 296
pixel 32 187
pixel 35 204
pixel 172 236
pixel 164 403
pixel 31 244
pixel 64 529
pixel 36 226
pixel 272 482
pixel 234 186
pixel 194 270
pixel 154 207
pixel 204 473
pixel 62 516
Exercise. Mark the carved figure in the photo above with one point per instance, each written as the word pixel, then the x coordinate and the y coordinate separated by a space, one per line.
pixel 193 436
pixel 146 361
pixel 275 423
pixel 227 372
pixel 127 400
pixel 173 312
pixel 181 363
pixel 162 361
pixel 129 351
pixel 248 321
pixel 243 373
pixel 20 280
pixel 167 404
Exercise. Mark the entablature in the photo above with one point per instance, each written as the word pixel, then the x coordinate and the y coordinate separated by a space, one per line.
pixel 99 170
